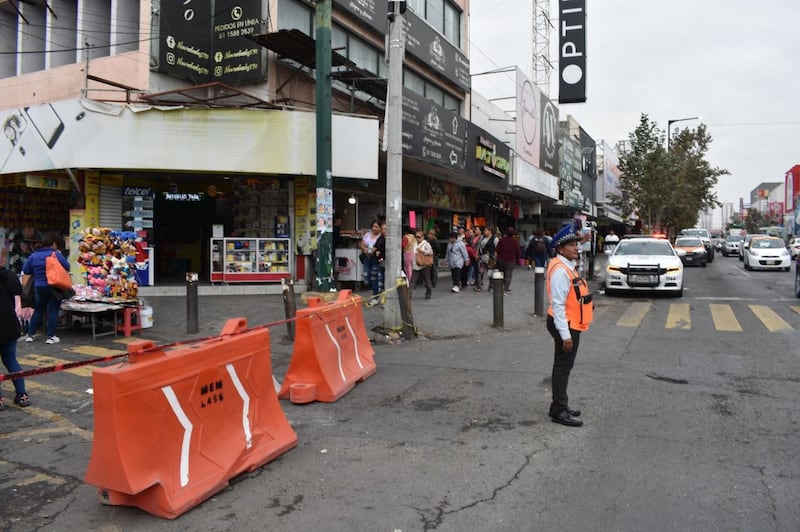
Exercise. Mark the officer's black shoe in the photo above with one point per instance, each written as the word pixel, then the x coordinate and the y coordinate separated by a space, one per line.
pixel 566 418
pixel 574 413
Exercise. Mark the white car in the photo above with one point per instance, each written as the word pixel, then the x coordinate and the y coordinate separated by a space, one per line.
pixel 767 253
pixel 794 246
pixel 644 264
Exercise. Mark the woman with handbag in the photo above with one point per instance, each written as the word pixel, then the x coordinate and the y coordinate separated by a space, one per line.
pixel 10 308
pixel 45 296
pixel 423 260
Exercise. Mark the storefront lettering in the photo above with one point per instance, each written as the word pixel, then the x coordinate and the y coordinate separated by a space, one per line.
pixel 495 164
pixel 192 196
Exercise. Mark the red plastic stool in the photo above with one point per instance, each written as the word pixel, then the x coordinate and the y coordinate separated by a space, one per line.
pixel 127 326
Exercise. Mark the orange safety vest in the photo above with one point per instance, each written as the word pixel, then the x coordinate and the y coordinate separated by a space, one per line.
pixel 580 308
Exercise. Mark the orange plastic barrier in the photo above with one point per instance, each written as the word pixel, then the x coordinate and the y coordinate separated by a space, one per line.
pixel 172 427
pixel 331 351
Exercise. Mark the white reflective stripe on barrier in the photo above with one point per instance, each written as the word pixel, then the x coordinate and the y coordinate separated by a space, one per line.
pixel 248 435
pixel 172 399
pixel 355 341
pixel 338 351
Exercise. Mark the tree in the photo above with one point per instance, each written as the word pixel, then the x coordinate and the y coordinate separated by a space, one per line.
pixel 666 188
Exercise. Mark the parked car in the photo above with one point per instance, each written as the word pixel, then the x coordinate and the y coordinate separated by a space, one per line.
pixel 644 264
pixel 732 245
pixel 745 243
pixel 767 253
pixel 703 235
pixel 794 246
pixel 695 251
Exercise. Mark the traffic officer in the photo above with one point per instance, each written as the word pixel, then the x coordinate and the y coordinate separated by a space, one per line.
pixel 569 313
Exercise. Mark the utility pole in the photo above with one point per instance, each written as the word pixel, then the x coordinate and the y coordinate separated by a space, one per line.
pixel 394 162
pixel 324 212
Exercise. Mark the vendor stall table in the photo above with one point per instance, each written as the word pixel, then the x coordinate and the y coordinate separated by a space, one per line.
pixel 92 310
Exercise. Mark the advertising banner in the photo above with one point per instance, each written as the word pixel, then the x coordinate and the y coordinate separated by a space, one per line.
pixel 431 133
pixel 611 173
pixel 207 41
pixel 572 51
pixel 536 126
pixel 95 135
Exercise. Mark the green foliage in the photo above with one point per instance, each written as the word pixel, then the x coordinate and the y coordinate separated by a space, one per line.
pixel 667 189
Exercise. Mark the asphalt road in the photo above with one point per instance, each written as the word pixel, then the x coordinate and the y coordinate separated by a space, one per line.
pixel 690 424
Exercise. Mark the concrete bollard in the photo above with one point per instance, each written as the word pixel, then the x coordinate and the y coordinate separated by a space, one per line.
pixel 538 291
pixel 497 298
pixel 191 303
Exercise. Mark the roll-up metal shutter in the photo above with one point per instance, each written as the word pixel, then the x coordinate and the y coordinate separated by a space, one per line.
pixel 111 207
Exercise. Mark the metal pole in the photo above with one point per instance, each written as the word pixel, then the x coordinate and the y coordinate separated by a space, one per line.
pixel 538 291
pixel 289 306
pixel 394 161
pixel 497 298
pixel 324 212
pixel 191 303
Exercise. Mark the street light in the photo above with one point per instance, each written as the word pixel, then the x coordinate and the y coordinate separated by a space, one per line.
pixel 669 126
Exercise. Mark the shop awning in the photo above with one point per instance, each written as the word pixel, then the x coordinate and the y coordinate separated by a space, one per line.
pixel 214 94
pixel 299 47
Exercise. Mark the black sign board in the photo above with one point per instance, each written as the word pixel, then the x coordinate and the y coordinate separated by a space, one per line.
pixel 487 157
pixel 427 45
pixel 548 143
pixel 422 41
pixel 571 51
pixel 431 133
pixel 588 165
pixel 206 40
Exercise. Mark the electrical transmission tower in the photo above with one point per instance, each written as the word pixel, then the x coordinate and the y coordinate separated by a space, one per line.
pixel 542 26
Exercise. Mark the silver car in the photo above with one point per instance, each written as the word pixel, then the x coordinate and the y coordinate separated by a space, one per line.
pixel 732 245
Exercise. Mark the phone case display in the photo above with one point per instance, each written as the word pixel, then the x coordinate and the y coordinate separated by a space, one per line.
pixel 261 208
pixel 41 209
pixel 241 260
pixel 108 262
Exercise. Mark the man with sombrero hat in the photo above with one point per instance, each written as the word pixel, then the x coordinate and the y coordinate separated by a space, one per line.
pixel 569 313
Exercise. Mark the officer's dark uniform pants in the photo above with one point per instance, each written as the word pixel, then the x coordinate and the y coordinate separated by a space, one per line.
pixel 562 365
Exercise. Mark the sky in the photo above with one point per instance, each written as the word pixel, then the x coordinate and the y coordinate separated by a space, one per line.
pixel 734 63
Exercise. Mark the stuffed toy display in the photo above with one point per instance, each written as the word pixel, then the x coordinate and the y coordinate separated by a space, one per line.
pixel 107 260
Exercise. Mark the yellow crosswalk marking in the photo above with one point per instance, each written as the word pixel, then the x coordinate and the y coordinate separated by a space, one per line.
pixel 634 315
pixel 35 388
pixel 678 317
pixel 41 361
pixel 130 339
pixel 769 318
pixel 795 308
pixel 94 351
pixel 723 317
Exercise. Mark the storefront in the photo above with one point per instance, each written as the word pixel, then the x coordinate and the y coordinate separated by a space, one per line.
pixel 179 177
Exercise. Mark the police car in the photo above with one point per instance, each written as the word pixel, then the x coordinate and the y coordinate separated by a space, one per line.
pixel 644 264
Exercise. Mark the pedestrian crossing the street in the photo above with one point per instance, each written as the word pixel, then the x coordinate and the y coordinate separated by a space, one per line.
pixel 725 317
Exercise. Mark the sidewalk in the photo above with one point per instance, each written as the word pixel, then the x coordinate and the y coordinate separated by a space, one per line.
pixel 446 315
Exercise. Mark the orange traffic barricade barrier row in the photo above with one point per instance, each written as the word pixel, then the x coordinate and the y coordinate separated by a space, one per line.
pixel 172 427
pixel 331 351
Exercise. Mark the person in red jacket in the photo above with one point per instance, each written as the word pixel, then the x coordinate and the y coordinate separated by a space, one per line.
pixel 508 254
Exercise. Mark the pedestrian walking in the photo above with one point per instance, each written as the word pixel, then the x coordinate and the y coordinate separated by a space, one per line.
pixel 371 260
pixel 10 309
pixel 568 314
pixel 457 258
pixel 538 250
pixel 508 254
pixel 433 240
pixel 423 261
pixel 46 299
pixel 486 257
